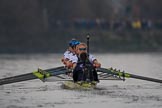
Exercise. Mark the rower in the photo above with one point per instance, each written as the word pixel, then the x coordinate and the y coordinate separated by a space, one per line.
pixel 83 60
pixel 71 51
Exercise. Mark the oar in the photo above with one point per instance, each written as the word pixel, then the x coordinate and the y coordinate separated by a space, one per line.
pixel 35 75
pixel 127 75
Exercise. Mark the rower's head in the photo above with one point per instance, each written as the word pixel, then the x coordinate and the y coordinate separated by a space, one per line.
pixel 81 48
pixel 73 43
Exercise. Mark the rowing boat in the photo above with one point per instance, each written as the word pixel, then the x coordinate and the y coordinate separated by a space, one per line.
pixel 62 72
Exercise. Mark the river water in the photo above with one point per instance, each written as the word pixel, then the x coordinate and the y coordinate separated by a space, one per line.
pixel 131 93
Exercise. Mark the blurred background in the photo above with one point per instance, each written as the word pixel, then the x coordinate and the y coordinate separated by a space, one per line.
pixel 46 26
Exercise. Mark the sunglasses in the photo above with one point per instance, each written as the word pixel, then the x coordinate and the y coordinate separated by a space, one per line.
pixel 82 49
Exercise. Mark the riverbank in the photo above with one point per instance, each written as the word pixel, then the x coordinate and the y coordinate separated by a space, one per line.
pixel 100 41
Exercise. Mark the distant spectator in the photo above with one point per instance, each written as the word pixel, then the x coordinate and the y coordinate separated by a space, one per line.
pixel 128 24
pixel 80 23
pixel 118 25
pixel 146 24
pixel 102 23
pixel 91 24
pixel 136 24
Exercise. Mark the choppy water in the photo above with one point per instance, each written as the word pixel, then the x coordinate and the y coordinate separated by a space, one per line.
pixel 113 94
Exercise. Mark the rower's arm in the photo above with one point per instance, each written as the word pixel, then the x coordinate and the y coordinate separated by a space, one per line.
pixel 74 65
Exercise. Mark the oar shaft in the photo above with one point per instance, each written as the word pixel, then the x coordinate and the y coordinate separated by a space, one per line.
pixel 18 78
pixel 31 76
pixel 145 78
pixel 128 75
